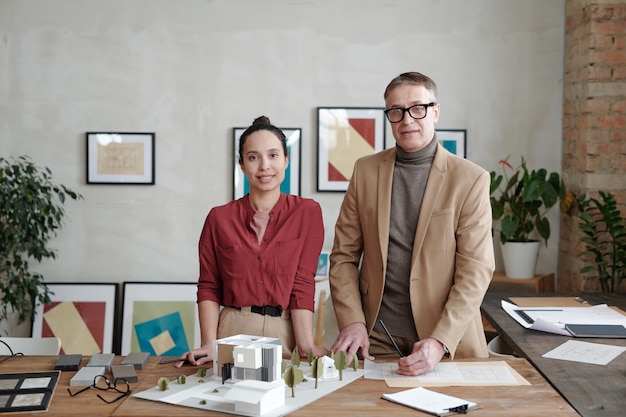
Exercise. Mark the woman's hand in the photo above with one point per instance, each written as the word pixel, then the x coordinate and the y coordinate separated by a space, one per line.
pixel 196 357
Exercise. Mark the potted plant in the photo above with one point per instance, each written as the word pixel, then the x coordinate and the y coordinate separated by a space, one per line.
pixel 520 199
pixel 31 212
pixel 604 239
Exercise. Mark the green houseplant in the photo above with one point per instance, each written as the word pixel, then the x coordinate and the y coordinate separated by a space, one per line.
pixel 520 199
pixel 604 239
pixel 31 212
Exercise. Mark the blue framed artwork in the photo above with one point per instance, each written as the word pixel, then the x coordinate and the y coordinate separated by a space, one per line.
pixel 454 140
pixel 160 318
pixel 322 266
pixel 291 184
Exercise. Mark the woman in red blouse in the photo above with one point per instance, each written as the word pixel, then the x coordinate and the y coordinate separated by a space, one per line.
pixel 259 255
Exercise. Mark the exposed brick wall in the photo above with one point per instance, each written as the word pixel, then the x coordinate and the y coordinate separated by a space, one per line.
pixel 594 118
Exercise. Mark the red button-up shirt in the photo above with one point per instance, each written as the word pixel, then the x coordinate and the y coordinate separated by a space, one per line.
pixel 236 271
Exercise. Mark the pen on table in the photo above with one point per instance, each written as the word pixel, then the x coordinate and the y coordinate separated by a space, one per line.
pixel 391 338
pixel 181 359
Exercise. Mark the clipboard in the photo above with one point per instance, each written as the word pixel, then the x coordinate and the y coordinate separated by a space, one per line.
pixel 549 302
pixel 431 402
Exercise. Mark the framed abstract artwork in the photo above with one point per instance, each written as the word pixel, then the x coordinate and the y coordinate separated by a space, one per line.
pixel 322 266
pixel 345 134
pixel 160 318
pixel 82 315
pixel 120 158
pixel 291 184
pixel 454 140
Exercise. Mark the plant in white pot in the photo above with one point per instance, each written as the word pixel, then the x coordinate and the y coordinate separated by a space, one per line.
pixel 31 212
pixel 520 200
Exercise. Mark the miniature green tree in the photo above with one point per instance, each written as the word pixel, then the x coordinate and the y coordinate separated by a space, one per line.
pixel 295 357
pixel 310 357
pixel 293 376
pixel 317 369
pixel 355 362
pixel 341 363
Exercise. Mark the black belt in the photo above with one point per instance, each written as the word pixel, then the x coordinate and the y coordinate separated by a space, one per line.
pixel 267 310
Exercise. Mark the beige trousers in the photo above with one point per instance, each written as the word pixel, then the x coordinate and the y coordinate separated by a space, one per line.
pixel 234 321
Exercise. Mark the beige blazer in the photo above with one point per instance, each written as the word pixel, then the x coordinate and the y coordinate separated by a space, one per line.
pixel 453 257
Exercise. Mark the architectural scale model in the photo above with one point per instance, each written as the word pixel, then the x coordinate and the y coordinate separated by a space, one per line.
pixel 247 381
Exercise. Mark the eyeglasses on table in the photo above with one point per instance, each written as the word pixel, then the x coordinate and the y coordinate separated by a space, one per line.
pixel 102 383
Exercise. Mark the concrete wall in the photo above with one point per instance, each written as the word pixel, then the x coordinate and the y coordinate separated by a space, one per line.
pixel 192 70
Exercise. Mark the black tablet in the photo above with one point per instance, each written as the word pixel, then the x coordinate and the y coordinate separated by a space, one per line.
pixel 597 330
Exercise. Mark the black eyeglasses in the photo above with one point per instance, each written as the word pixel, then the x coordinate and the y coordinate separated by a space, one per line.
pixel 103 383
pixel 417 111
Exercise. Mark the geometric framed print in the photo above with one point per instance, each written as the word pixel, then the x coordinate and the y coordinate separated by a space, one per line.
pixel 454 140
pixel 82 315
pixel 160 318
pixel 345 134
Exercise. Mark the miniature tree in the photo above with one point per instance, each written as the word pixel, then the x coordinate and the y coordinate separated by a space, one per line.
pixel 317 369
pixel 341 363
pixel 295 357
pixel 310 357
pixel 355 362
pixel 293 376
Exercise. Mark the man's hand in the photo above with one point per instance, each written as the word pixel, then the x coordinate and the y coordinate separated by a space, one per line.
pixel 425 356
pixel 352 338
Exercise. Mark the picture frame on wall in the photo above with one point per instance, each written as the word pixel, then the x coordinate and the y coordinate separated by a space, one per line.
pixel 120 158
pixel 345 134
pixel 160 318
pixel 323 266
pixel 83 315
pixel 291 183
pixel 454 140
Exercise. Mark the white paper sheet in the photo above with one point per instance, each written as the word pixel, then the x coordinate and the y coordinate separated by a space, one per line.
pixel 586 352
pixel 447 373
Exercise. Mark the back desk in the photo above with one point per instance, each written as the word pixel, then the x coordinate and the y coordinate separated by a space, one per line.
pixel 593 390
pixel 360 398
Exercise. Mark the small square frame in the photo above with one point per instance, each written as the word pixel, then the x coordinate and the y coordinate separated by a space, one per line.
pixel 120 158
pixel 83 315
pixel 291 184
pixel 160 318
pixel 345 134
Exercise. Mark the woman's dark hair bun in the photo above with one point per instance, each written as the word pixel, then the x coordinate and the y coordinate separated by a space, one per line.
pixel 262 120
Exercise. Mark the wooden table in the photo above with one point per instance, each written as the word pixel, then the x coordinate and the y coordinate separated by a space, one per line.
pixel 593 390
pixel 360 398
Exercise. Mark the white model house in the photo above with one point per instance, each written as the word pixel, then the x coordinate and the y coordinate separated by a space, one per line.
pixel 252 364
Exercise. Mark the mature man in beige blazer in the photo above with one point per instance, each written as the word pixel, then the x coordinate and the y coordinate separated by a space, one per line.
pixel 413 243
